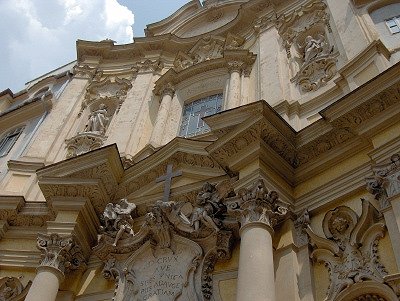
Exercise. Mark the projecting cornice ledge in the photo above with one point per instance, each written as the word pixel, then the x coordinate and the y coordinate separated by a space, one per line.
pixel 257 132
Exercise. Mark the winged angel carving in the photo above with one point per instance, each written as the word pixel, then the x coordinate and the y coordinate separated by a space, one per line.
pixel 349 250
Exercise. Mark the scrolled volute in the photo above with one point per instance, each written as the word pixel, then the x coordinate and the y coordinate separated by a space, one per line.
pixel 60 252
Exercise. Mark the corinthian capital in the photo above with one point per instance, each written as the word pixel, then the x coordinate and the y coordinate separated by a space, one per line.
pixel 60 252
pixel 235 66
pixel 258 205
pixel 167 89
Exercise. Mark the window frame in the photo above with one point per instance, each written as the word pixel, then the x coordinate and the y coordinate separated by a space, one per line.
pixel 13 135
pixel 396 20
pixel 204 128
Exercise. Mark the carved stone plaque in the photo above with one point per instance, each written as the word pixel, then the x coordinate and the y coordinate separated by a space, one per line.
pixel 162 274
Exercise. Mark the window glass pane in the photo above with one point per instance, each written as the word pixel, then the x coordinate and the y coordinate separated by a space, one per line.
pixel 391 23
pixel 192 123
pixel 394 24
pixel 8 141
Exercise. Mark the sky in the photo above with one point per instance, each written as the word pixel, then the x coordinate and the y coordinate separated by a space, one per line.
pixel 39 35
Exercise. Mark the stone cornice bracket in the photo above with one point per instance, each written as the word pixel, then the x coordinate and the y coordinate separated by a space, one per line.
pixel 300 225
pixel 150 66
pixel 258 206
pixel 386 181
pixel 61 253
pixel 84 71
pixel 11 289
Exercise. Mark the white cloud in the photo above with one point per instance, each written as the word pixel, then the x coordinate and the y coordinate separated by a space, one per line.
pixel 40 35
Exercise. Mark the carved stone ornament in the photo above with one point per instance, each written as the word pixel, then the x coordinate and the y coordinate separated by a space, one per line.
pixel 84 71
pixel 386 181
pixel 259 205
pixel 111 90
pixel 11 289
pixel 311 55
pixel 349 250
pixel 60 252
pixel 300 225
pixel 207 49
pixel 172 255
pixel 83 143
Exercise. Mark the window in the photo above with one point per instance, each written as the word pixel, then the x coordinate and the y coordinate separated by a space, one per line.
pixel 8 141
pixel 192 124
pixel 393 24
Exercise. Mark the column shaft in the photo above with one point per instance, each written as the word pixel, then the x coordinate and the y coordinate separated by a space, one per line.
pixel 256 265
pixel 161 120
pixel 45 285
pixel 234 90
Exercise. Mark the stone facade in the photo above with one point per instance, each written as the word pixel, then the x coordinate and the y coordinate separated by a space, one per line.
pixel 292 193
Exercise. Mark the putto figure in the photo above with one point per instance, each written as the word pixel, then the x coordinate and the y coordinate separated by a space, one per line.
pixel 315 47
pixel 117 219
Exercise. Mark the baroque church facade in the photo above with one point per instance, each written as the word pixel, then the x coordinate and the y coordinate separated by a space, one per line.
pixel 242 150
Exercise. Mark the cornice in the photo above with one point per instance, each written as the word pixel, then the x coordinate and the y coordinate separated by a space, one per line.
pixel 27 110
pixel 17 212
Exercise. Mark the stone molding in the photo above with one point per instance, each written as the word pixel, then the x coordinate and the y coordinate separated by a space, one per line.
pixel 11 289
pixel 258 206
pixel 60 252
pixel 349 250
pixel 386 181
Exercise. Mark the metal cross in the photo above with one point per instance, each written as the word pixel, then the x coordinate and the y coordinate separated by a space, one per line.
pixel 167 178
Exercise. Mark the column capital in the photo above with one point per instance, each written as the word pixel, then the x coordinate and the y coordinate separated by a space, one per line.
pixel 167 89
pixel 60 252
pixel 235 66
pixel 259 207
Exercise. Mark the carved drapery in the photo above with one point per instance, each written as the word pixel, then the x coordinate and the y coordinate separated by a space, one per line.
pixel 11 289
pixel 307 39
pixel 60 252
pixel 174 251
pixel 349 250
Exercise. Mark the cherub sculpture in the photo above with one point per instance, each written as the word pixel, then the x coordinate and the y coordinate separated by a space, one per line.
pixel 117 219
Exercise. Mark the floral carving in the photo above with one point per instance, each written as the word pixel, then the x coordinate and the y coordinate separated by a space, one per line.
pixel 349 250
pixel 84 71
pixel 60 252
pixel 11 289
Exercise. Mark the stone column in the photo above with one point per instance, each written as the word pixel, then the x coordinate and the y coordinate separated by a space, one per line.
pixel 258 211
pixel 59 256
pixel 245 86
pixel 167 94
pixel 234 68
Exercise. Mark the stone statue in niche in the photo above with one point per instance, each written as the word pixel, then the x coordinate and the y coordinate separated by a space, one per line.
pixel 98 120
pixel 117 219
pixel 350 249
pixel 315 48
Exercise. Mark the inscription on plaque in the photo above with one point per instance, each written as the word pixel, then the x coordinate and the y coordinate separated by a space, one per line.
pixel 165 274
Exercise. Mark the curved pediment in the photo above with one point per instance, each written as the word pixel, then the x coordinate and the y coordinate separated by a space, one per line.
pixel 194 18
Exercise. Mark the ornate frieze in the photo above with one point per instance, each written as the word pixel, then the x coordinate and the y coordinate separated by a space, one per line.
pixel 258 205
pixel 386 181
pixel 175 248
pixel 60 252
pixel 349 248
pixel 11 289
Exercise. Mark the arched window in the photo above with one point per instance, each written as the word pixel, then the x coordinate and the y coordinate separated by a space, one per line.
pixel 192 124
pixel 8 140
